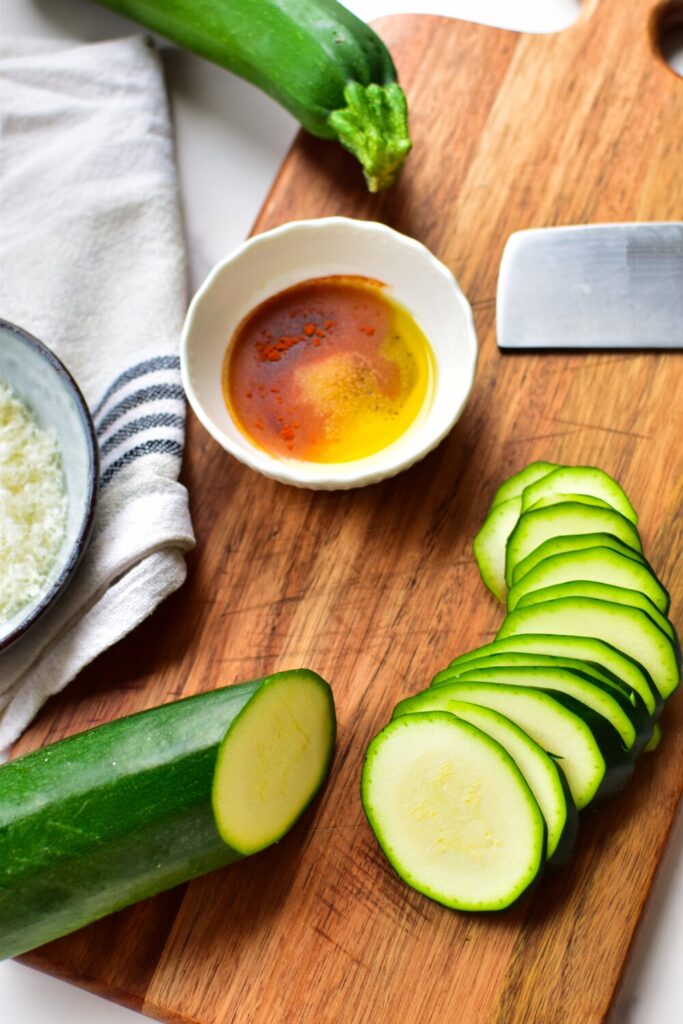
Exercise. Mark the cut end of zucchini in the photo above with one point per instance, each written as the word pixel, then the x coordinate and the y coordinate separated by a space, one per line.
pixel 374 127
pixel 273 760
pixel 452 812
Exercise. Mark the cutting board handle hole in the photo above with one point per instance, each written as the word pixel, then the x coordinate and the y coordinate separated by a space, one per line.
pixel 667 32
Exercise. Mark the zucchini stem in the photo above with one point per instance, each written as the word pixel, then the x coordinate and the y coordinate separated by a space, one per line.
pixel 374 127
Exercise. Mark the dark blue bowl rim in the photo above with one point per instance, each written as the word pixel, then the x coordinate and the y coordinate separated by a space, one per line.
pixel 83 536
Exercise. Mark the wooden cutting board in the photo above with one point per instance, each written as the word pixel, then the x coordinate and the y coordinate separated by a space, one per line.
pixel 377 589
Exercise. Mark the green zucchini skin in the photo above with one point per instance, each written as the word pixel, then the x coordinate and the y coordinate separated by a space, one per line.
pixel 314 57
pixel 414 861
pixel 601 655
pixel 113 815
pixel 628 629
pixel 630 703
pixel 592 564
pixel 515 485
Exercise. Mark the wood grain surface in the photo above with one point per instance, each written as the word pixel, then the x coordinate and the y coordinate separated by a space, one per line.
pixel 377 589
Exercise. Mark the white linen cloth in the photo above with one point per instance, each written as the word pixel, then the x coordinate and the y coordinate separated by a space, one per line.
pixel 92 262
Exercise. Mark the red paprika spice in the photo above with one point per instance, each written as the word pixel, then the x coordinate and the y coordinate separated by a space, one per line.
pixel 307 367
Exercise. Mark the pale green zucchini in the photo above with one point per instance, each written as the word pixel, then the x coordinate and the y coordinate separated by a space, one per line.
pixel 606 700
pixel 558 498
pixel 587 480
pixel 632 722
pixel 121 812
pixel 569 544
pixel 452 811
pixel 567 519
pixel 630 630
pixel 489 544
pixel 595 564
pixel 655 740
pixel 543 775
pixel 517 659
pixel 592 651
pixel 602 592
pixel 591 753
pixel 514 486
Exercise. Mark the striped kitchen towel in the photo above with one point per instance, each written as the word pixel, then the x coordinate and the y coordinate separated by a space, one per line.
pixel 92 262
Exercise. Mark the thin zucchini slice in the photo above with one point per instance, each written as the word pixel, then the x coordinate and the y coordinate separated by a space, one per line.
pixel 559 499
pixel 574 542
pixel 571 517
pixel 655 740
pixel 599 565
pixel 489 545
pixel 612 704
pixel 121 812
pixel 519 659
pixel 491 540
pixel 514 486
pixel 592 756
pixel 582 480
pixel 630 630
pixel 543 775
pixel 603 592
pixel 582 648
pixel 452 812
pixel 631 702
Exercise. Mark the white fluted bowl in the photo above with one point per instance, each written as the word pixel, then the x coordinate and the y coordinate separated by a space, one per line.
pixel 301 250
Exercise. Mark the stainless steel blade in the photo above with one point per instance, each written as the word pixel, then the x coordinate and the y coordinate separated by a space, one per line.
pixel 593 286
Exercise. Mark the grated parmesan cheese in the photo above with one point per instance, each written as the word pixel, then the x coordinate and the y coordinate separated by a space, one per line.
pixel 33 504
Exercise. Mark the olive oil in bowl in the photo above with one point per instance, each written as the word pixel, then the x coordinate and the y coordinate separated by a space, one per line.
pixel 330 370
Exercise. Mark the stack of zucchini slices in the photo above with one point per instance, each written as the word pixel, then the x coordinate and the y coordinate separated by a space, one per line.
pixel 476 782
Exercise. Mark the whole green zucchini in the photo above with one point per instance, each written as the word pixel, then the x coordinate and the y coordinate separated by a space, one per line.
pixel 316 58
pixel 116 814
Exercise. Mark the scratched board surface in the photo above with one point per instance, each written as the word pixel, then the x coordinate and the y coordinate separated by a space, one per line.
pixel 377 590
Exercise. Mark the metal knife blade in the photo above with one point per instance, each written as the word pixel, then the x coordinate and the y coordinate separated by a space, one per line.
pixel 594 286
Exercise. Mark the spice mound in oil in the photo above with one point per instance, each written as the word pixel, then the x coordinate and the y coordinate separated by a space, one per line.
pixel 330 370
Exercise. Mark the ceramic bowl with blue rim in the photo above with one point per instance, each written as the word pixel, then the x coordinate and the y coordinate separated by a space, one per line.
pixel 39 380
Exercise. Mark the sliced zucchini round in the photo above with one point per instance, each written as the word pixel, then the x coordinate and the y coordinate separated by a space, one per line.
pixel 452 812
pixel 599 565
pixel 655 740
pixel 544 777
pixel 491 540
pixel 630 630
pixel 582 480
pixel 610 702
pixel 583 671
pixel 603 592
pixel 489 544
pixel 514 486
pixel 583 648
pixel 592 757
pixel 559 499
pixel 518 659
pixel 574 542
pixel 571 517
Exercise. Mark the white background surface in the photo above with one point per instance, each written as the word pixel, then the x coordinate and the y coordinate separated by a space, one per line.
pixel 230 142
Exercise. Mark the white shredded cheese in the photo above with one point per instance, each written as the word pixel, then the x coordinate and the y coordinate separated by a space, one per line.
pixel 33 503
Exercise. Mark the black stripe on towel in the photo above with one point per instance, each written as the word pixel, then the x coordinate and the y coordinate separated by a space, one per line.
pixel 153 393
pixel 155 419
pixel 155 446
pixel 133 372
